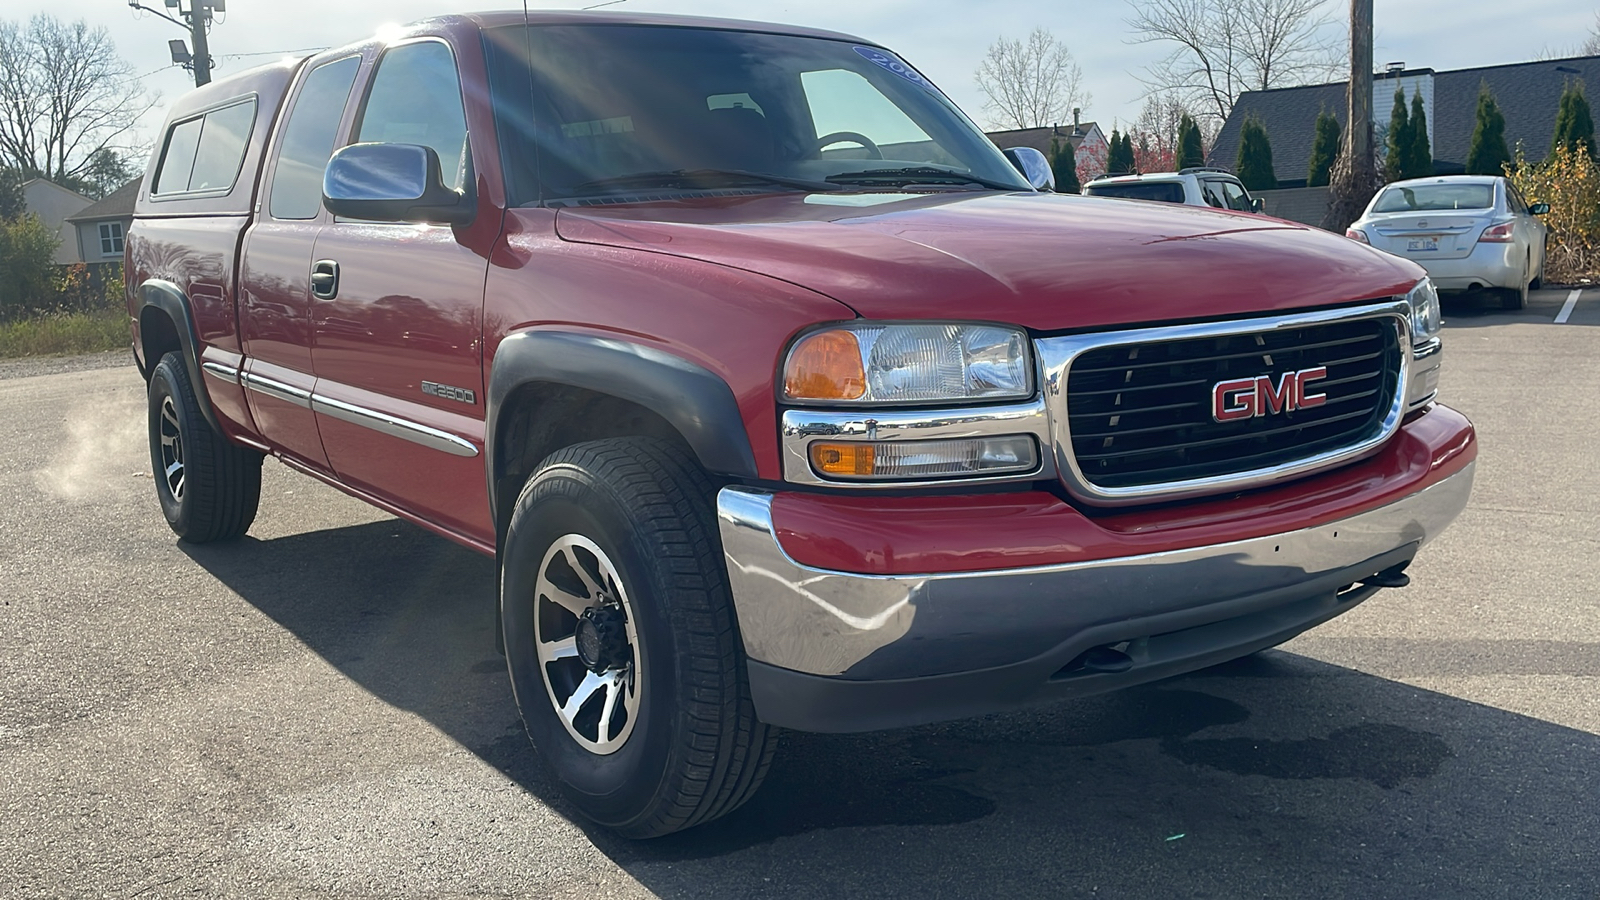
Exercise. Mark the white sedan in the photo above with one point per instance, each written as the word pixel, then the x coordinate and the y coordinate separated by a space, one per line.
pixel 1469 231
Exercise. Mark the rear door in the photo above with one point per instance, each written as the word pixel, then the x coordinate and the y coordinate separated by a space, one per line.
pixel 398 339
pixel 274 274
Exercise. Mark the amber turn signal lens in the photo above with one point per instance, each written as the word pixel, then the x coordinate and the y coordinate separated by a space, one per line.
pixel 843 460
pixel 825 366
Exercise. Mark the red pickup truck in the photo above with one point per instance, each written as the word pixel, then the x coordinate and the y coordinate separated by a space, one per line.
pixel 782 396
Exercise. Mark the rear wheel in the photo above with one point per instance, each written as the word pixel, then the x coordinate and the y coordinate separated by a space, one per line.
pixel 1517 297
pixel 621 639
pixel 209 487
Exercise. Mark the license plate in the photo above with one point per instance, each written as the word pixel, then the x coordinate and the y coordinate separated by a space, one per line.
pixel 1422 244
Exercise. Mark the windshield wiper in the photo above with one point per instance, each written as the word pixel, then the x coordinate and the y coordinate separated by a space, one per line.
pixel 702 178
pixel 919 175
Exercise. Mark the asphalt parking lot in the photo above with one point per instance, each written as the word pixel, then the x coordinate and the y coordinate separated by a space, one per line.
pixel 318 710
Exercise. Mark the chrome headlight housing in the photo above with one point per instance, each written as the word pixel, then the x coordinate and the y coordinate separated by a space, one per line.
pixel 1426 317
pixel 874 363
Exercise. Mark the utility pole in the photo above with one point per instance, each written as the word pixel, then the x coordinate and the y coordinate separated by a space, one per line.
pixel 1355 178
pixel 200 14
pixel 193 20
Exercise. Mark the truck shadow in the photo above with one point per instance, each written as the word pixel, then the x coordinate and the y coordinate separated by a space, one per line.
pixel 1276 775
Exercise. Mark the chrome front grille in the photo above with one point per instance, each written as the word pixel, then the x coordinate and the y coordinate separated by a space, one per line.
pixel 1133 410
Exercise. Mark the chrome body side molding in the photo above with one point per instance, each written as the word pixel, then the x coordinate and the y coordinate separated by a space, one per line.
pixel 394 426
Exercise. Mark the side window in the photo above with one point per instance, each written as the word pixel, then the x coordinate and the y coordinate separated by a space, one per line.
pixel 205 153
pixel 308 140
pixel 110 238
pixel 178 160
pixel 1235 196
pixel 416 99
pixel 221 150
pixel 1514 201
pixel 1208 190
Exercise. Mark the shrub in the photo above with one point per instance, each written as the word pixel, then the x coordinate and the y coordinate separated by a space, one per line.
pixel 1255 157
pixel 1419 161
pixel 1488 153
pixel 1568 180
pixel 1064 163
pixel 27 266
pixel 1190 151
pixel 1399 140
pixel 1574 124
pixel 1324 150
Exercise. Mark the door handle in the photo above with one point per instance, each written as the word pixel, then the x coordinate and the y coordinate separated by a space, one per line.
pixel 325 279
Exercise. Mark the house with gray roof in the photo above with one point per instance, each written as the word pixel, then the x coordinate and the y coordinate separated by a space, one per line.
pixel 1527 94
pixel 1085 138
pixel 102 226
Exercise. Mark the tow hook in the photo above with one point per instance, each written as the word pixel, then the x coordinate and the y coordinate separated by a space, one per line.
pixel 1392 577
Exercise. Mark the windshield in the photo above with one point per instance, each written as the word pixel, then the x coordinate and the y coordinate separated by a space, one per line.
pixel 1164 191
pixel 1434 197
pixel 628 109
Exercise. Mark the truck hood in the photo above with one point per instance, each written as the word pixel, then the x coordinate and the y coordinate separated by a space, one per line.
pixel 1044 261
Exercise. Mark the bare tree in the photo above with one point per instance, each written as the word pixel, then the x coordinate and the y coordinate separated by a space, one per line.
pixel 1030 83
pixel 65 96
pixel 1159 118
pixel 1225 47
pixel 1591 46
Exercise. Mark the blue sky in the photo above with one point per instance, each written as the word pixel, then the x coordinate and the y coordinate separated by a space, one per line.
pixel 945 39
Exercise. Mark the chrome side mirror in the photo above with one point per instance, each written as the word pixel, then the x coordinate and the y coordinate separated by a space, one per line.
pixel 392 183
pixel 1033 166
pixel 1257 204
pixel 1539 209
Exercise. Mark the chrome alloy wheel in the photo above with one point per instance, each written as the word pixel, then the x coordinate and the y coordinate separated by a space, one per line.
pixel 583 632
pixel 171 449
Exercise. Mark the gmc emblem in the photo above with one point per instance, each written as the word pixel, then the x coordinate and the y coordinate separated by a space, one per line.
pixel 1247 398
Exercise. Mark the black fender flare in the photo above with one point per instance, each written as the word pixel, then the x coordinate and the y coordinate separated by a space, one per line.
pixel 170 299
pixel 691 398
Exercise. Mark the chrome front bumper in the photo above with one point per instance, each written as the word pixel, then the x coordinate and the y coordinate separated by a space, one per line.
pixel 939 645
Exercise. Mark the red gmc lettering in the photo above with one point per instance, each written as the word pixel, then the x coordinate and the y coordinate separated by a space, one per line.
pixel 1302 400
pixel 1248 398
pixel 1234 400
pixel 1276 400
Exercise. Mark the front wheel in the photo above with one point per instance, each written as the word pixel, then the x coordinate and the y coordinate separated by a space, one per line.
pixel 209 487
pixel 621 639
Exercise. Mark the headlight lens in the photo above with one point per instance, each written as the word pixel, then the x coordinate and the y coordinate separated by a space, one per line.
pixel 863 363
pixel 1426 316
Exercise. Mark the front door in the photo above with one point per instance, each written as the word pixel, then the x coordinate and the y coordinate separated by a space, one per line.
pixel 398 337
pixel 274 284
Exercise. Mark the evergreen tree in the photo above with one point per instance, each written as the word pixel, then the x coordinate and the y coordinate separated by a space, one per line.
pixel 1190 152
pixel 1574 124
pixel 1064 163
pixel 1488 154
pixel 1119 158
pixel 1399 139
pixel 1419 162
pixel 1324 150
pixel 1255 157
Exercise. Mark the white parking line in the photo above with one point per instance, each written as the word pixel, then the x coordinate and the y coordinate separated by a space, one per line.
pixel 1566 308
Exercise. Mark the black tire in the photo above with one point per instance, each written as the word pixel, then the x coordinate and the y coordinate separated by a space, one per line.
pixel 213 494
pixel 1516 297
pixel 694 751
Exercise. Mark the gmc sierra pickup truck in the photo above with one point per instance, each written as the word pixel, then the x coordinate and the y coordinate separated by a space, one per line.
pixel 781 396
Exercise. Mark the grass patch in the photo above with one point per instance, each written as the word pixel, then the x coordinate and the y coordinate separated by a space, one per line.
pixel 65 334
